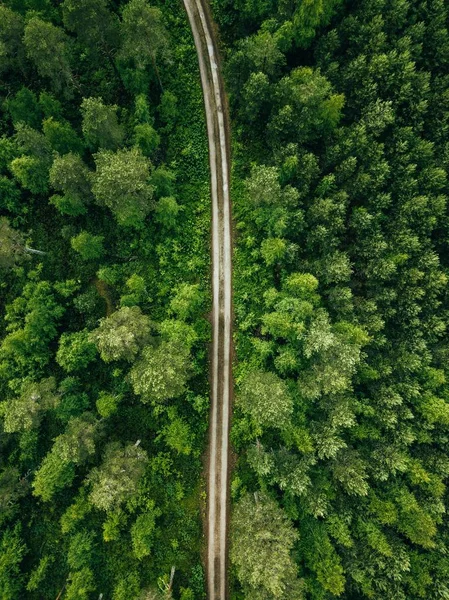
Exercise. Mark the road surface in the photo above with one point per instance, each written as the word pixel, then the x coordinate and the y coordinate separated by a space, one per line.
pixel 221 381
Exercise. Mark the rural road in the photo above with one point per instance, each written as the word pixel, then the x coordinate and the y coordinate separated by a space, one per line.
pixel 221 380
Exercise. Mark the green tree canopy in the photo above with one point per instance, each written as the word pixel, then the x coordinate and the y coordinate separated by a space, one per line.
pixel 261 545
pixel 144 39
pixel 121 182
pixel 47 46
pixel 100 125
pixel 89 246
pixel 116 480
pixel 71 176
pixel 25 412
pixel 162 372
pixel 122 335
pixel 266 398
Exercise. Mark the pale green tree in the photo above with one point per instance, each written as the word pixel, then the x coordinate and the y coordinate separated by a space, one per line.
pixel 13 249
pixel 262 538
pixel 265 397
pixel 25 412
pixel 69 174
pixel 121 182
pixel 122 335
pixel 161 373
pixel 116 480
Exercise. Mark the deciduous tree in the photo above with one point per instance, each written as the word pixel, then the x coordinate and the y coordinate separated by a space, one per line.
pixel 162 372
pixel 121 182
pixel 262 540
pixel 100 125
pixel 47 47
pixel 116 480
pixel 122 335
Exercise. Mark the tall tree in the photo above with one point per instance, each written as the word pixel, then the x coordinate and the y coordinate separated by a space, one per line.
pixel 100 125
pixel 122 335
pixel 261 545
pixel 144 39
pixel 47 46
pixel 117 478
pixel 121 182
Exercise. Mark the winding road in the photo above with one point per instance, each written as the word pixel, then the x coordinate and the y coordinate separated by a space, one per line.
pixel 221 380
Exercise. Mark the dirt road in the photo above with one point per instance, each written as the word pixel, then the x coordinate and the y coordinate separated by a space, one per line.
pixel 221 381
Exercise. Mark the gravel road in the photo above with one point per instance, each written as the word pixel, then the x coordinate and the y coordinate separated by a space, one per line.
pixel 221 380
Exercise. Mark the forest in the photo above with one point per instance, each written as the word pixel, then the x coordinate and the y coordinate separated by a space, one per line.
pixel 104 255
pixel 340 113
pixel 340 428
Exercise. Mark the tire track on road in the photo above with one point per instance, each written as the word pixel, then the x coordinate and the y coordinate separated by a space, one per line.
pixel 221 379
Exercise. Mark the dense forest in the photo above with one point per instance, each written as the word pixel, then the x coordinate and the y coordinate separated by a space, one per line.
pixel 104 249
pixel 340 116
pixel 340 434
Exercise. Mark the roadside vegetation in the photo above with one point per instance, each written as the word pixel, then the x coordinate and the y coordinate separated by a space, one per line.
pixel 340 114
pixel 104 289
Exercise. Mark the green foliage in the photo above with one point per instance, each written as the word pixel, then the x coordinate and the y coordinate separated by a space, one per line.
pixel 61 136
pixel 161 373
pixel 12 551
pixel 304 107
pixel 81 584
pixel 309 16
pixel 32 320
pixel 73 447
pixel 262 540
pixel 92 21
pixel 101 128
pixel 116 480
pixel 107 404
pixel 11 33
pixel 39 573
pixel 121 183
pixel 12 246
pixel 122 335
pixel 147 138
pixel 178 436
pixel 273 250
pixel 167 211
pixel 30 173
pixel 142 531
pixel 187 301
pixel 47 47
pixel 266 398
pixel 80 550
pixel 143 36
pixel 338 286
pixel 70 175
pixel 75 351
pixel 25 412
pixel 24 108
pixel 90 92
pixel 89 246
